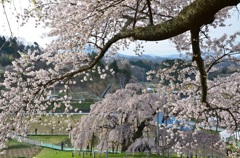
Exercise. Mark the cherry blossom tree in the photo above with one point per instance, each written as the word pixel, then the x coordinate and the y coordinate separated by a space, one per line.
pixel 119 119
pixel 126 120
pixel 107 26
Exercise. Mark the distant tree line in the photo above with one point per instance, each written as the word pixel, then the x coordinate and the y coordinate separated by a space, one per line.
pixel 141 67
pixel 122 72
pixel 10 48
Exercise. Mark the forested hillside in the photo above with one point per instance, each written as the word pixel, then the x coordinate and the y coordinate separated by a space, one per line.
pixel 126 68
pixel 10 48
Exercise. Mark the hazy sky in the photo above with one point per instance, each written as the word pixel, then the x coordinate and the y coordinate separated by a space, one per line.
pixel 32 34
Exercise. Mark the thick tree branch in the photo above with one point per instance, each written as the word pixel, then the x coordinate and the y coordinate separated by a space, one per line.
pixel 198 13
pixel 67 76
pixel 193 16
pixel 200 62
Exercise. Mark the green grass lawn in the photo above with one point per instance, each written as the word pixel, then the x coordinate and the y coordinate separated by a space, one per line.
pixel 52 139
pixel 13 144
pixel 51 153
pixel 17 149
pixel 67 154
pixel 47 152
pixel 58 125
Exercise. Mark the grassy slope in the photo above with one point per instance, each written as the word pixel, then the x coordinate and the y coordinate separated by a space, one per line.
pixel 60 124
pixel 46 152
pixel 66 154
pixel 13 144
pixel 55 139
pixel 84 106
pixel 19 149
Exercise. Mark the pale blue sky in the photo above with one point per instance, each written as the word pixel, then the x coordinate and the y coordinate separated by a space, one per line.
pixel 32 34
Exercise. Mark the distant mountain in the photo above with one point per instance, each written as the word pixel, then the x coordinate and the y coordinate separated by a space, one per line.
pixel 175 56
pixel 172 56
pixel 152 58
pixel 24 41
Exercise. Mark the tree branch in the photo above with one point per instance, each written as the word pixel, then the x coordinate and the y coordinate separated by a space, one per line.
pixel 198 13
pixel 192 16
pixel 200 62
pixel 135 15
pixel 150 12
pixel 5 13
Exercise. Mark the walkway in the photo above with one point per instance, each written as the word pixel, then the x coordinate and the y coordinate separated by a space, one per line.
pixel 52 146
pixel 39 143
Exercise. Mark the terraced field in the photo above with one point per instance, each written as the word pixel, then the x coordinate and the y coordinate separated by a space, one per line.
pixel 24 152
pixel 16 149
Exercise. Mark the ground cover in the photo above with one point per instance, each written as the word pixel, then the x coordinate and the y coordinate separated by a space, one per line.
pixel 53 139
pixel 53 124
pixel 80 106
pixel 58 139
pixel 20 149
pixel 13 144
pixel 46 152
